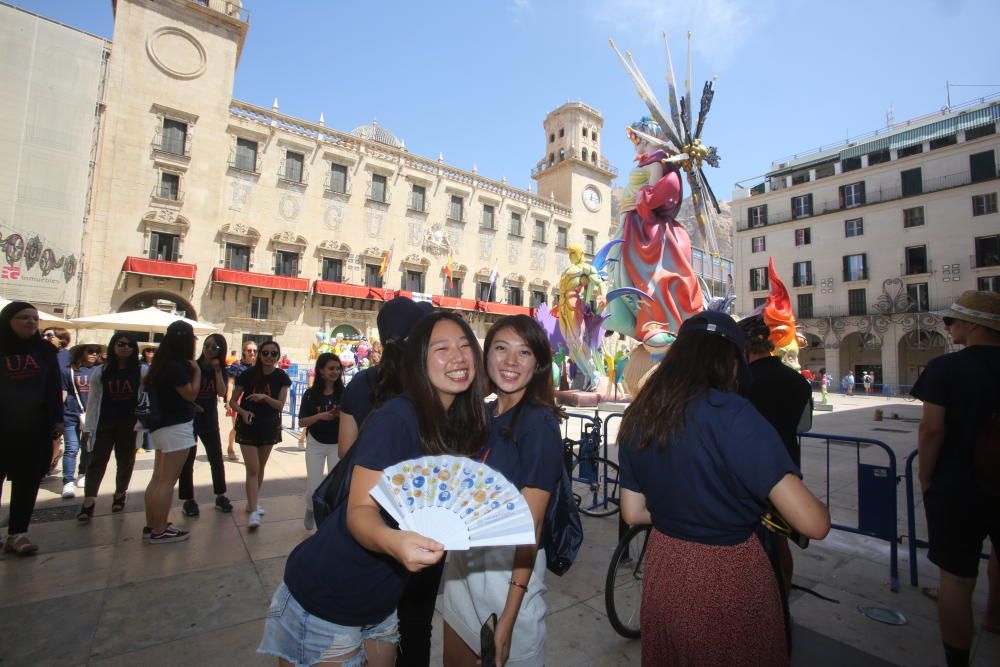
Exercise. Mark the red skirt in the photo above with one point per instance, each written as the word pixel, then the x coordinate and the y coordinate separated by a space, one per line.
pixel 710 605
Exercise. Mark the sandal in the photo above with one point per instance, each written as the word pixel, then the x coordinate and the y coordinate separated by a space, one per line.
pixel 86 513
pixel 20 545
pixel 118 502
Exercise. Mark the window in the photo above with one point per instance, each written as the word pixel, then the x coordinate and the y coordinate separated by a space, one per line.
pixel 855 227
pixel 987 251
pixel 984 204
pixel 802 206
pixel 913 217
pixel 418 198
pixel 583 154
pixel 916 260
pixel 850 164
pixel 453 287
pixel 174 138
pixel 757 244
pixel 988 284
pixel 856 267
pixel 562 154
pixel 978 132
pixel 552 138
pixel 759 301
pixel 562 237
pixel 483 290
pixel 758 279
pixel 805 305
pixel 801 177
pixel 372 278
pixel 917 293
pixel 857 302
pixel 950 140
pixel 245 158
pixel 915 149
pixel 488 221
pixel 514 295
pixel 912 180
pixel 258 307
pixel 333 269
pixel 515 224
pixel 589 244
pixel 164 247
pixel 561 133
pixel 378 188
pixel 170 186
pixel 286 263
pixel 803 236
pixel 293 167
pixel 237 257
pixel 537 298
pixel 852 194
pixel 584 133
pixel 757 216
pixel 878 157
pixel 414 281
pixel 456 209
pixel 802 274
pixel 338 178
pixel 539 230
pixel 982 166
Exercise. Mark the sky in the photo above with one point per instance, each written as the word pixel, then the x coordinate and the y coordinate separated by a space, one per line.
pixel 473 80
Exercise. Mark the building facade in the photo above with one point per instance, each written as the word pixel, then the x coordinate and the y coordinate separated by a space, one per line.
pixel 873 235
pixel 272 226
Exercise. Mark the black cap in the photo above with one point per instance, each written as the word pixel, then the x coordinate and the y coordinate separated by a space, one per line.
pixel 755 328
pixel 397 317
pixel 713 322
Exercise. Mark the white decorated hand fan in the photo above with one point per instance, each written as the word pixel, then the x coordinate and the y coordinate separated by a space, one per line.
pixel 459 502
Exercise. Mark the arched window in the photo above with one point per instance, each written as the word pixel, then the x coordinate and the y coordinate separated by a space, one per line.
pixel 584 153
pixel 562 154
pixel 552 158
pixel 593 157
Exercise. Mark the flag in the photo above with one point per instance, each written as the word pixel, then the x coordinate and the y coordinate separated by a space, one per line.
pixel 386 259
pixel 493 278
pixel 449 270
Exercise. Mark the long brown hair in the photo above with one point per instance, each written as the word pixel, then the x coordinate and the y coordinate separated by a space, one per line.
pixel 539 389
pixel 695 363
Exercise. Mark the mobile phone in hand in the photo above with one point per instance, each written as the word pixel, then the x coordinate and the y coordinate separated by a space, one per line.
pixel 487 641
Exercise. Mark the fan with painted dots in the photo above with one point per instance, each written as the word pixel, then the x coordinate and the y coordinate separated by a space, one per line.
pixel 459 502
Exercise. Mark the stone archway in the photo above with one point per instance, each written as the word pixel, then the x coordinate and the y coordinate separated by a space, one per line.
pixel 162 299
pixel 915 349
pixel 861 351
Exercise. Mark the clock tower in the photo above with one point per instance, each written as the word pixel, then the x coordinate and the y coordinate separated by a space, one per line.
pixel 574 170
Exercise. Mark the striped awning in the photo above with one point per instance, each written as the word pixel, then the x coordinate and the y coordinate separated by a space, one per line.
pixel 960 122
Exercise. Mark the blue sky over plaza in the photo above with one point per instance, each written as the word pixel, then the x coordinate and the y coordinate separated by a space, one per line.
pixel 474 80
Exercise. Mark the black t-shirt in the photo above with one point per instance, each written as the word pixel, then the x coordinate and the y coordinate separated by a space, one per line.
pixel 780 395
pixel 533 456
pixel 967 385
pixel 30 386
pixel 314 402
pixel 119 392
pixel 175 410
pixel 330 574
pixel 357 400
pixel 208 399
pixel 264 416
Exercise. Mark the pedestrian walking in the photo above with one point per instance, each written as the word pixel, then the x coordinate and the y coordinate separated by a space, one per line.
pixel 867 379
pixel 849 383
pixel 76 388
pixel 824 385
pixel 236 369
pixel 319 412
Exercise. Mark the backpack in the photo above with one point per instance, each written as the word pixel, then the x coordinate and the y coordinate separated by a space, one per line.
pixel 334 489
pixel 147 410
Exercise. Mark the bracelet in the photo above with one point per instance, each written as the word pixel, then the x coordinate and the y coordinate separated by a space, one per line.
pixel 514 583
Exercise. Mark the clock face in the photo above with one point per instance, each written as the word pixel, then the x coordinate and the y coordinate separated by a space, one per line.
pixel 591 198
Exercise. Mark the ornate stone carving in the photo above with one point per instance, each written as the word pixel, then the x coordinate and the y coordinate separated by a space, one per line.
pixel 513 251
pixel 333 218
pixel 485 246
pixel 376 219
pixel 289 207
pixel 414 233
pixel 893 298
pixel 239 193
pixel 537 259
pixel 176 52
pixel 436 241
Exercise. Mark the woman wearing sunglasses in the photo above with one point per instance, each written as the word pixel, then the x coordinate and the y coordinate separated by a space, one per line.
pixel 236 369
pixel 76 389
pixel 206 427
pixel 258 397
pixel 320 413
pixel 110 421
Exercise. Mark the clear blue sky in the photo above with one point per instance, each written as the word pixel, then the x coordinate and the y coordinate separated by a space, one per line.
pixel 474 79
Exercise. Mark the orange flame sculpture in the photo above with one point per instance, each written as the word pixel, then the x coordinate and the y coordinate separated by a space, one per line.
pixel 780 319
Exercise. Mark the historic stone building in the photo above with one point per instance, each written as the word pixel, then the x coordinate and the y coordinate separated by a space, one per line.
pixel 873 235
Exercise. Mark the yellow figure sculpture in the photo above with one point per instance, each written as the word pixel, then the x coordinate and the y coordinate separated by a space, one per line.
pixel 581 299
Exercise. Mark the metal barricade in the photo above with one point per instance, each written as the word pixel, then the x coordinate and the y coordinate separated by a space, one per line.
pixel 594 479
pixel 614 416
pixel 295 392
pixel 877 514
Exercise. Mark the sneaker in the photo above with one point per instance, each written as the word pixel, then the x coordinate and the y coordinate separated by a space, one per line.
pixel 309 520
pixel 69 490
pixel 81 481
pixel 171 534
pixel 190 508
pixel 223 505
pixel 260 509
pixel 147 531
pixel 20 545
pixel 254 523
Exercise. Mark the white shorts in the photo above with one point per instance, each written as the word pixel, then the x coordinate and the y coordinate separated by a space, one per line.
pixel 173 438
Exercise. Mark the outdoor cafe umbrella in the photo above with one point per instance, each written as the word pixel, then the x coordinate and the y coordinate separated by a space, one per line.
pixel 44 319
pixel 149 319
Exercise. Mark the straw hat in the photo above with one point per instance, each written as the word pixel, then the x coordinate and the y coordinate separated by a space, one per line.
pixel 87 342
pixel 982 308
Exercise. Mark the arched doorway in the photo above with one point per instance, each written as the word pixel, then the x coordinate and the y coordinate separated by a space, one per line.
pixel 166 301
pixel 349 332
pixel 914 350
pixel 813 355
pixel 860 352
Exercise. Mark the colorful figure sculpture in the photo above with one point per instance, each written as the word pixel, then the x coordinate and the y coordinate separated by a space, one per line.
pixel 320 345
pixel 780 319
pixel 581 300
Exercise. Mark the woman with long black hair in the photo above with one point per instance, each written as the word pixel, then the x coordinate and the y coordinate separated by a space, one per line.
pixel 175 378
pixel 338 599
pixel 700 464
pixel 258 397
pixel 114 391
pixel 31 411
pixel 320 413
pixel 84 358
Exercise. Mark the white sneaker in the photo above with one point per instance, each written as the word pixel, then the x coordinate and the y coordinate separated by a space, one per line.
pixel 260 509
pixel 69 490
pixel 81 481
pixel 254 523
pixel 309 521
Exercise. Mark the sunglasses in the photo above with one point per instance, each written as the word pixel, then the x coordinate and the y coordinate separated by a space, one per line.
pixel 48 335
pixel 269 353
pixel 92 350
pixel 124 343
pixel 210 346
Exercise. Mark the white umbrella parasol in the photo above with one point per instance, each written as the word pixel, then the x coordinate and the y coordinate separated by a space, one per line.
pixel 44 319
pixel 149 319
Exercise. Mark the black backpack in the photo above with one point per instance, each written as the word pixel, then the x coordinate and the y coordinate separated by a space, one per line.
pixel 147 410
pixel 333 491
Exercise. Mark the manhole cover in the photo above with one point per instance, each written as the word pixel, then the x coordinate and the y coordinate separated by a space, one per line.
pixel 54 514
pixel 883 615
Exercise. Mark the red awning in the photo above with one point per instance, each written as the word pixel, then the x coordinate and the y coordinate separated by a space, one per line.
pixel 331 288
pixel 261 280
pixel 159 268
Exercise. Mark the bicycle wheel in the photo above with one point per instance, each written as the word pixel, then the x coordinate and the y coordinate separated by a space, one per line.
pixel 595 481
pixel 623 588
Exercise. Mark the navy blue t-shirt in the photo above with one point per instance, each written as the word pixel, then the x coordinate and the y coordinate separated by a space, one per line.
pixel 530 456
pixel 119 392
pixel 175 410
pixel 710 486
pixel 357 400
pixel 315 401
pixel 81 378
pixel 330 574
pixel 208 400
pixel 265 418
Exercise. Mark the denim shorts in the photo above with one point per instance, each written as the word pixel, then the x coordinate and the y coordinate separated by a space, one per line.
pixel 295 635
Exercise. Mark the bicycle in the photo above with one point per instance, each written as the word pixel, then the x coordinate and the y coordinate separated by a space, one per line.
pixel 595 479
pixel 623 586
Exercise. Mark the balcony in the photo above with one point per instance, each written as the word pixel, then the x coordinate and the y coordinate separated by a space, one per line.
pixel 458 215
pixel 854 275
pixel 330 186
pixel 382 194
pixel 244 164
pixel 291 178
pixel 157 269
pixel 168 196
pixel 574 154
pixel 984 260
pixel 418 203
pixel 172 147
pixel 802 280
